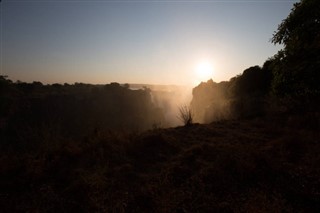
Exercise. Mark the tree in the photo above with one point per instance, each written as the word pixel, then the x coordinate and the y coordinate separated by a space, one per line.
pixel 254 81
pixel 126 86
pixel 300 31
pixel 296 68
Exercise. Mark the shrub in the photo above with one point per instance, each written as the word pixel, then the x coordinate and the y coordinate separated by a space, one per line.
pixel 185 115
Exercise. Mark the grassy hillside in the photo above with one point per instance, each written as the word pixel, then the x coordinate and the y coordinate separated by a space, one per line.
pixel 258 165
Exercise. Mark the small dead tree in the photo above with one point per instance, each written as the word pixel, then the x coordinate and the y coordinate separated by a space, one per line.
pixel 185 115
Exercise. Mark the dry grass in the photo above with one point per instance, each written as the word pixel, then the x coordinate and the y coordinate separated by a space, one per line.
pixel 261 165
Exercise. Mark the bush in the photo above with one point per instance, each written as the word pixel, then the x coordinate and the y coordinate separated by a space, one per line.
pixel 185 115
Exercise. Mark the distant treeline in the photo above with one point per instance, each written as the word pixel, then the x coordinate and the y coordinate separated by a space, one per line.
pixel 242 96
pixel 287 82
pixel 31 111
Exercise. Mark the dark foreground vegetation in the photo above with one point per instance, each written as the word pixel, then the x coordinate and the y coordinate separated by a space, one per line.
pixel 257 165
pixel 73 110
pixel 287 82
pixel 80 148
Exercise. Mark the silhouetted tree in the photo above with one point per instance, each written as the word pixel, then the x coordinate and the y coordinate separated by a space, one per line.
pixel 296 67
pixel 254 81
pixel 126 85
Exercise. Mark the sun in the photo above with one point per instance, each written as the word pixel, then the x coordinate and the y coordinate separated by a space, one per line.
pixel 204 71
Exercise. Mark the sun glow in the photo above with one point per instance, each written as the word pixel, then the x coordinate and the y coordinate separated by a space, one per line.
pixel 203 71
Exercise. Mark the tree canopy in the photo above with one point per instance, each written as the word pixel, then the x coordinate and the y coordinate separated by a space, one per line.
pixel 301 29
pixel 296 67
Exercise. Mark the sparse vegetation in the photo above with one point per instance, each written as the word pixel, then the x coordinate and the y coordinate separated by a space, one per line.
pixel 290 79
pixel 185 115
pixel 79 148
pixel 237 166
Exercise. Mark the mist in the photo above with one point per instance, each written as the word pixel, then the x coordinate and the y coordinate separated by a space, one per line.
pixel 169 99
pixel 243 96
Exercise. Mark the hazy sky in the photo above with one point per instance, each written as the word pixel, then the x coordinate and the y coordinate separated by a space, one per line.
pixel 158 42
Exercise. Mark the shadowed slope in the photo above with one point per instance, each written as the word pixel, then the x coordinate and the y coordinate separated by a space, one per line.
pixel 234 166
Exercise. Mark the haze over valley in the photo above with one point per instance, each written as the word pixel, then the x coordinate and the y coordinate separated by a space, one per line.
pixel 159 106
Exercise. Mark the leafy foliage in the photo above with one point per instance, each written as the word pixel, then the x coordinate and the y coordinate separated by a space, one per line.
pixel 242 97
pixel 58 154
pixel 32 111
pixel 300 30
pixel 296 70
pixel 289 80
